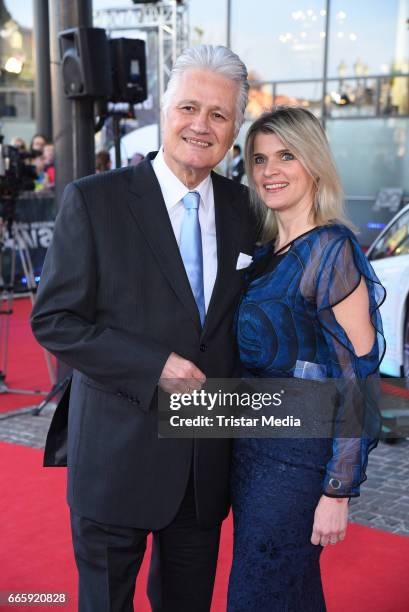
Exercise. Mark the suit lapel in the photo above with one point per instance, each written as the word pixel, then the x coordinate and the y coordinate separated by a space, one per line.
pixel 149 211
pixel 227 230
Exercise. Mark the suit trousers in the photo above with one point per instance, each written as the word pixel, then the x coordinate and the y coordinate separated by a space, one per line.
pixel 182 571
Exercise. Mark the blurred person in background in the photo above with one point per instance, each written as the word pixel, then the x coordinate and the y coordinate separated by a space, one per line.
pixel 49 159
pixel 19 144
pixel 136 159
pixel 38 143
pixel 102 161
pixel 310 312
pixel 41 181
pixel 237 164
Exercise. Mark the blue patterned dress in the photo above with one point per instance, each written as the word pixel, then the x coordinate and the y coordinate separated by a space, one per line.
pixel 286 328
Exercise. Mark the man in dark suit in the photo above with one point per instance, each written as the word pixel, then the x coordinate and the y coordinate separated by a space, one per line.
pixel 237 164
pixel 138 289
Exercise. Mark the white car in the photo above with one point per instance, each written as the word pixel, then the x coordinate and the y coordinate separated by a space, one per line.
pixel 389 256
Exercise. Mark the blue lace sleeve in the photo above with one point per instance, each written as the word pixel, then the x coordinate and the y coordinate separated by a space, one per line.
pixel 337 273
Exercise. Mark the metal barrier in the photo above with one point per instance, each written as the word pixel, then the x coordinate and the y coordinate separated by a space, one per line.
pixel 34 214
pixel 375 96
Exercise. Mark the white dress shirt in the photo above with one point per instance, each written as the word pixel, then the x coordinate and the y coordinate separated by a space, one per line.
pixel 173 190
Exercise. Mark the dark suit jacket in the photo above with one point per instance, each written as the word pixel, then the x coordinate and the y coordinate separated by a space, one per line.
pixel 114 301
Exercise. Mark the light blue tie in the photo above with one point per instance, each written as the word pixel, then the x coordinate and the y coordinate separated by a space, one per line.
pixel 191 249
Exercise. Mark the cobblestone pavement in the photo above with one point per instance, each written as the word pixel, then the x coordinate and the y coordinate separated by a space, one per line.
pixel 384 500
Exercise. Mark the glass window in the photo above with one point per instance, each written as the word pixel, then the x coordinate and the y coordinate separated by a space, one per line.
pixel 368 37
pixel 396 240
pixel 16 70
pixel 300 94
pixel 277 41
pixel 16 45
pixel 371 154
pixel 352 98
pixel 208 22
pixel 379 96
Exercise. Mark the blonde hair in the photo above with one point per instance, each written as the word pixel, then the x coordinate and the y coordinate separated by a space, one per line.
pixel 302 133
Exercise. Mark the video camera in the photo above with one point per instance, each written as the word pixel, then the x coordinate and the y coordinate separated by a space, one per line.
pixel 16 175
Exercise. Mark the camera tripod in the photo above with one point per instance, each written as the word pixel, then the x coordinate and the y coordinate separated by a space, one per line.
pixel 11 234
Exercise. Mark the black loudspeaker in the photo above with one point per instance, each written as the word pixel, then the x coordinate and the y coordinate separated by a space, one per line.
pixel 85 61
pixel 128 61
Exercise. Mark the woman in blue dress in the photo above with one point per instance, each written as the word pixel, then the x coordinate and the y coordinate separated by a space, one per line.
pixel 310 310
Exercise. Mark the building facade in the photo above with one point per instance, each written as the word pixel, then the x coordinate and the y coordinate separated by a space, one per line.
pixel 362 96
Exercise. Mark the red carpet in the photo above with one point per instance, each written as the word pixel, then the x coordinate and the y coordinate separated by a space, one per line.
pixel 366 573
pixel 26 366
pixel 391 389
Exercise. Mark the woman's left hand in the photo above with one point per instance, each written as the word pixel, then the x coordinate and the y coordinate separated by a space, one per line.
pixel 330 520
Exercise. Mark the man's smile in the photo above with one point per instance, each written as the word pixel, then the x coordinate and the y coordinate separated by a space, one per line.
pixel 195 141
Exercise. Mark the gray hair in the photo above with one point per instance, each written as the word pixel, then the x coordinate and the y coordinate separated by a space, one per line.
pixel 218 59
pixel 302 133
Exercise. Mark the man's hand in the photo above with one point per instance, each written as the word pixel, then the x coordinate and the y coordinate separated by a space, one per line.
pixel 181 375
pixel 330 520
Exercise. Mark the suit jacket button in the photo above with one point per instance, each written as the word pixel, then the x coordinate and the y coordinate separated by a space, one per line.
pixel 202 347
pixel 119 394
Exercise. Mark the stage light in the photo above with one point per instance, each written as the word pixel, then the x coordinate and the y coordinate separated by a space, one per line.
pixel 14 65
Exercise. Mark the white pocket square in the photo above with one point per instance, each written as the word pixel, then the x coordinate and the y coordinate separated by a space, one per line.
pixel 243 261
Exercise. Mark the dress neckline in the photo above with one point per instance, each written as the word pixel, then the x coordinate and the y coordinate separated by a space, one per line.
pixel 288 245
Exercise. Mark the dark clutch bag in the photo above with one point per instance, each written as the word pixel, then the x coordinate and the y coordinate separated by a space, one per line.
pixel 55 452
